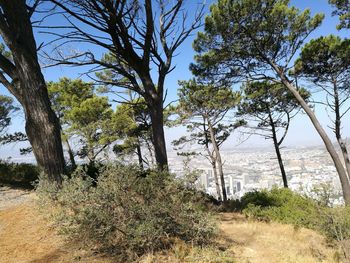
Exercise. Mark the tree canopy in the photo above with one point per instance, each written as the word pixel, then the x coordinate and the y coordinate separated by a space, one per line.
pixel 343 11
pixel 257 40
pixel 204 109
pixel 83 115
pixel 268 109
pixel 140 39
pixel 251 39
pixel 325 62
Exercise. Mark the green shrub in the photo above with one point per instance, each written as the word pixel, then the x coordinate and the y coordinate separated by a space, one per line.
pixel 281 205
pixel 127 212
pixel 18 174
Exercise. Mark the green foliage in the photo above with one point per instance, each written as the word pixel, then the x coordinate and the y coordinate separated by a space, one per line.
pixel 83 115
pixel 262 98
pixel 6 109
pixel 112 78
pixel 325 59
pixel 132 123
pixel 198 99
pixel 271 105
pixel 281 205
pixel 91 121
pixel 336 223
pixel 67 93
pixel 127 212
pixel 269 108
pixel 201 104
pixel 343 11
pixel 7 54
pixel 205 110
pixel 18 174
pixel 247 38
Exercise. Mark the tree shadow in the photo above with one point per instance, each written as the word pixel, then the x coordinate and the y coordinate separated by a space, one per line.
pixel 53 256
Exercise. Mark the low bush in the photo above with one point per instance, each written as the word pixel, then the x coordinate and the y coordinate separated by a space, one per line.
pixel 18 174
pixel 127 212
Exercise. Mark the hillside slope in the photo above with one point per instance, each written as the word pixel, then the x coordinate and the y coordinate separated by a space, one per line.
pixel 25 237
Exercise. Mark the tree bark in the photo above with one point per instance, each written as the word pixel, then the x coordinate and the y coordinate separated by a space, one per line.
pixel 278 153
pixel 29 87
pixel 218 160
pixel 344 150
pixel 337 129
pixel 43 131
pixel 71 155
pixel 344 180
pixel 216 179
pixel 157 119
pixel 139 155
pixel 212 160
pixel 142 49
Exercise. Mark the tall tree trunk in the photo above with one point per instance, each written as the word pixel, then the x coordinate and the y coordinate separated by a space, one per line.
pixel 344 180
pixel 218 160
pixel 212 160
pixel 90 153
pixel 71 155
pixel 139 155
pixel 157 119
pixel 150 148
pixel 43 132
pixel 278 153
pixel 29 87
pixel 216 179
pixel 337 128
pixel 345 153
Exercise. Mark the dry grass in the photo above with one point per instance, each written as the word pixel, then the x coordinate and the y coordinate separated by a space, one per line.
pixel 271 242
pixel 25 237
pixel 243 241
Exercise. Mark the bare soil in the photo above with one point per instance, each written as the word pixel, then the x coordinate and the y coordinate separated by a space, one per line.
pixel 26 237
pixel 10 197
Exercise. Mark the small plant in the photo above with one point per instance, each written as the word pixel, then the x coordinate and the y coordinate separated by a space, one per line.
pixel 127 212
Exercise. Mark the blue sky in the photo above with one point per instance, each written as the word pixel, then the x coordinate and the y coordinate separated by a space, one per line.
pixel 301 132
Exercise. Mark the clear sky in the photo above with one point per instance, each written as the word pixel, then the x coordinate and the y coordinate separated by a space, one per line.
pixel 301 131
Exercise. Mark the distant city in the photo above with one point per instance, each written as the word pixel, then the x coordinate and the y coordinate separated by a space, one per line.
pixel 253 169
pixel 250 169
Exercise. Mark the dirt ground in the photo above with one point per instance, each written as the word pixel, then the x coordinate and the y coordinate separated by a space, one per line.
pixel 10 197
pixel 25 237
